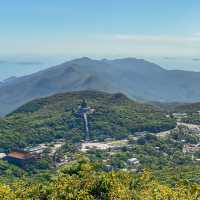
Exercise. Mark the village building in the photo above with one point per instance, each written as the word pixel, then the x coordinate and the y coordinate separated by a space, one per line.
pixel 108 168
pixel 138 134
pixel 2 155
pixel 198 112
pixel 37 150
pixel 134 170
pixel 133 161
pixel 20 158
pixel 179 114
pixel 191 148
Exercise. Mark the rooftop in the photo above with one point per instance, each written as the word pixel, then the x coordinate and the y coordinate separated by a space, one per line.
pixel 19 154
pixel 132 159
pixel 2 155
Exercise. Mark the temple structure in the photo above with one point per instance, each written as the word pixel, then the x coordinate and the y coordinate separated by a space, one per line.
pixel 20 158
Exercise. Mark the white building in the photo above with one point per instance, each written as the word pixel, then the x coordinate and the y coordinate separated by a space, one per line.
pixel 2 155
pixel 179 114
pixel 133 161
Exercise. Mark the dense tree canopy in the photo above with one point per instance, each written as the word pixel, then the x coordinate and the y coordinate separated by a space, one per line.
pixel 46 119
pixel 83 180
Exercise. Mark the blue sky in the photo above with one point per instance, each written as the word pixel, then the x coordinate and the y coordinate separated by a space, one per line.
pixel 100 28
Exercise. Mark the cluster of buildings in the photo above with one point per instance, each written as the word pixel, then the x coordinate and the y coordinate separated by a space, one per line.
pixel 191 148
pixel 36 150
pixel 132 165
pixel 24 157
pixel 106 145
pixel 180 115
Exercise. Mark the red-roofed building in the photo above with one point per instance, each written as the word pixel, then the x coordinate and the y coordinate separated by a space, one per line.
pixel 18 157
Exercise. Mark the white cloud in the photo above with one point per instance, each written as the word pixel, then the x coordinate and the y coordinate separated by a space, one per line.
pixel 107 45
pixel 197 34
pixel 157 38
pixel 151 45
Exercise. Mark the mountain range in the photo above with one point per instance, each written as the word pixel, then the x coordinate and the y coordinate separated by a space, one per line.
pixel 136 78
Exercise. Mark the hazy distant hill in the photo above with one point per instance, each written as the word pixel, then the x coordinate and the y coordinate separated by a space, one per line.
pixel 134 77
pixel 9 79
pixel 188 107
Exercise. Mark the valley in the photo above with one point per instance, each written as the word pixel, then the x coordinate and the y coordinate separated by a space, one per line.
pixel 109 133
pixel 53 130
pixel 99 100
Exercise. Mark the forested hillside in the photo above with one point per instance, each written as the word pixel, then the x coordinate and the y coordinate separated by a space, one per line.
pixel 188 107
pixel 46 119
